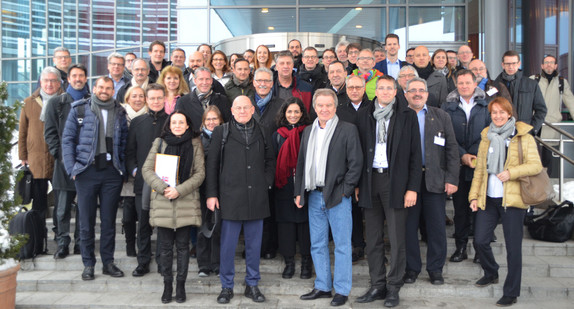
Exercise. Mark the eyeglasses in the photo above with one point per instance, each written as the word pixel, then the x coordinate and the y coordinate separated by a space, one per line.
pixel 413 91
pixel 365 58
pixel 354 88
pixel 354 52
pixel 329 57
pixel 465 52
pixel 310 57
pixel 549 62
pixel 263 81
pixel 62 57
pixel 406 75
pixel 116 64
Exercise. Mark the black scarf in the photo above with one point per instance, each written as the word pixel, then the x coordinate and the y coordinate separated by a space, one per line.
pixel 510 80
pixel 549 77
pixel 425 72
pixel 180 146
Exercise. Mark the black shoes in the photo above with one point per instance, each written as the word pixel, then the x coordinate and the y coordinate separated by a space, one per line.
pixel 316 294
pixel 269 255
pixel 180 292
pixel 193 252
pixel 436 278
pixel 392 299
pixel 112 270
pixel 487 280
pixel 77 249
pixel 459 255
pixel 410 276
pixel 254 293
pixel 339 300
pixel 357 255
pixel 141 270
pixel 131 250
pixel 88 273
pixel 306 267
pixel 167 291
pixel 61 252
pixel 476 259
pixel 372 295
pixel 225 296
pixel 289 270
pixel 506 301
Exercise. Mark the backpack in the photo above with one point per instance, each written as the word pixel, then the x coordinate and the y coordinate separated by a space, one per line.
pixel 560 82
pixel 29 222
pixel 555 224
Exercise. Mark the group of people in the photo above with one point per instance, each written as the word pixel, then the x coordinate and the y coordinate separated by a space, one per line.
pixel 291 151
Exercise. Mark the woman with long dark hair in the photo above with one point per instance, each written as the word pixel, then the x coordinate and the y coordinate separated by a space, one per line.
pixel 292 222
pixel 174 210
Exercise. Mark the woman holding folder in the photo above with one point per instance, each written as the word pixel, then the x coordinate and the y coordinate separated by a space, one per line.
pixel 174 169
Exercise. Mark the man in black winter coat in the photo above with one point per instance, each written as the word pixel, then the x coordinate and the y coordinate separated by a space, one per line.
pixel 311 71
pixel 143 131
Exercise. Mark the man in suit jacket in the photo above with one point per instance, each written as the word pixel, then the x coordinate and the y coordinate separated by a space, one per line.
pixel 328 170
pixel 440 178
pixel 390 182
pixel 391 65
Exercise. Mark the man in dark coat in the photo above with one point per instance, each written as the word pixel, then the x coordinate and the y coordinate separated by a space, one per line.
pixel 492 89
pixel 469 115
pixel 328 170
pixel 143 131
pixel 391 65
pixel 337 76
pixel 56 115
pixel 238 178
pixel 157 62
pixel 266 105
pixel 241 82
pixel 202 96
pixel 527 100
pixel 140 77
pixel 440 178
pixel 286 84
pixel 390 183
pixel 311 71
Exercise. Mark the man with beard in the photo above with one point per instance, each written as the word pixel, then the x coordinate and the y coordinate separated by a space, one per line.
pixel 64 188
pixel 365 63
pixel 436 81
pixel 240 83
pixel 93 147
pixel 491 88
pixel 392 65
pixel 157 62
pixel 129 57
pixel 311 71
pixel 527 100
pixel 555 90
pixel 196 60
pixel 294 47
pixel 201 96
pixel 142 132
pixel 140 71
pixel 206 51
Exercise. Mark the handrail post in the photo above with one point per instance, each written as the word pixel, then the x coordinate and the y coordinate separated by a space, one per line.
pixel 561 176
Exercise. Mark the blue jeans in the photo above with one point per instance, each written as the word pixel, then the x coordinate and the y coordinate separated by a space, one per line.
pixel 341 222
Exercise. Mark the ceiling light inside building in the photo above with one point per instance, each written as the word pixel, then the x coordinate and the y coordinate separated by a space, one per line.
pixel 264 10
pixel 358 26
pixel 271 28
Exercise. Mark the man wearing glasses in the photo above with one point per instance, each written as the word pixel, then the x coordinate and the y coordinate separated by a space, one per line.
pixel 266 105
pixel 116 65
pixel 464 56
pixel 527 99
pixel 311 71
pixel 365 64
pixel 491 88
pixel 62 62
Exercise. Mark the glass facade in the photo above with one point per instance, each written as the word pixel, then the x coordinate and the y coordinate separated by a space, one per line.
pixel 92 29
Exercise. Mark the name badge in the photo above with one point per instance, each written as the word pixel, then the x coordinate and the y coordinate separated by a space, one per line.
pixel 507 142
pixel 438 140
pixel 492 91
pixel 490 150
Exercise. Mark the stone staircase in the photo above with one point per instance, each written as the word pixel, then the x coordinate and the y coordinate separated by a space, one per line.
pixel 548 282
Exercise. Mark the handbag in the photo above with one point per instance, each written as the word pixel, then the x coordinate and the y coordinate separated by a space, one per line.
pixel 535 189
pixel 555 224
pixel 24 187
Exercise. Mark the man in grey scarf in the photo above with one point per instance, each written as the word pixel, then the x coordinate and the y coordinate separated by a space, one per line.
pixel 328 170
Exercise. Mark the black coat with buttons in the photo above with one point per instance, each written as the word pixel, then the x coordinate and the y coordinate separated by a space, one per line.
pixel 240 175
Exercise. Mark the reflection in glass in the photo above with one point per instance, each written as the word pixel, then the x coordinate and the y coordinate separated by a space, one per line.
pixel 70 26
pixel 19 92
pixel 346 2
pixel 173 23
pixel 127 23
pixel 39 32
pixel 84 20
pixel 38 65
pixel 103 25
pixel 368 22
pixel 250 21
pixel 251 2
pixel 431 24
pixel 99 64
pixel 15 29
pixel 15 70
pixel 54 25
pixel 155 21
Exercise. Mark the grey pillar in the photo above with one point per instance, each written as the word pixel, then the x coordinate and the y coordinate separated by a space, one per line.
pixel 532 35
pixel 496 40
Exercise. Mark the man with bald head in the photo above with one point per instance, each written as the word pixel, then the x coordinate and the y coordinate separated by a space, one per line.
pixel 140 77
pixel 436 82
pixel 365 64
pixel 195 61
pixel 464 56
pixel 492 88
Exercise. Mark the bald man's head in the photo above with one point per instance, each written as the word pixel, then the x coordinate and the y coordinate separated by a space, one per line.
pixel 422 57
pixel 464 55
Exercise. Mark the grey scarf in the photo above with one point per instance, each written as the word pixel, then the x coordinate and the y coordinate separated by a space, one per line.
pixel 315 171
pixel 203 97
pixel 382 114
pixel 497 151
pixel 96 107
pixel 45 98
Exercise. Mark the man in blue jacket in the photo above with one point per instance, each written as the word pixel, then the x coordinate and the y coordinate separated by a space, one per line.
pixel 93 146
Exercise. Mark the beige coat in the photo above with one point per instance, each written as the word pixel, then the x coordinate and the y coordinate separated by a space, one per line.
pixel 31 143
pixel 184 210
pixel 551 93
pixel 530 166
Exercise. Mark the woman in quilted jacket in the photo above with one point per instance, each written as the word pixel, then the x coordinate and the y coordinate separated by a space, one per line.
pixel 495 194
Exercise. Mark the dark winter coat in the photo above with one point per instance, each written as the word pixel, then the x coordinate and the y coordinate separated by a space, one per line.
pixel 316 77
pixel 192 107
pixel 269 115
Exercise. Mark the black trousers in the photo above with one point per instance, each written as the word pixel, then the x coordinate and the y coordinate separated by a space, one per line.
pixel 463 215
pixel 357 237
pixel 512 226
pixel 169 237
pixel 63 214
pixel 374 226
pixel 269 241
pixel 289 233
pixel 208 249
pixel 144 232
pixel 129 218
pixel 432 206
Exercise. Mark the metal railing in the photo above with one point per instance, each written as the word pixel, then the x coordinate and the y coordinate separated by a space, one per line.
pixel 559 151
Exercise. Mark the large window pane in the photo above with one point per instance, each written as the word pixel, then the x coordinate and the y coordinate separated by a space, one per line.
pixel 155 21
pixel 191 2
pixel 54 25
pixel 127 23
pixel 39 33
pixel 15 29
pixel 398 26
pixel 100 64
pixel 436 24
pixel 84 19
pixel 38 65
pixel 436 1
pixel 366 22
pixel 15 70
pixel 18 92
pixel 252 2
pixel 190 19
pixel 346 2
pixel 173 23
pixel 225 22
pixel 550 23
pixel 103 26
pixel 85 60
pixel 70 27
